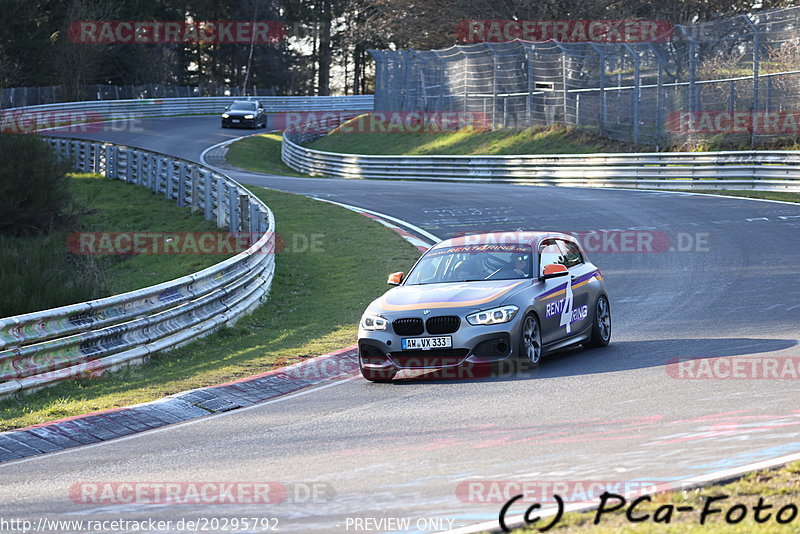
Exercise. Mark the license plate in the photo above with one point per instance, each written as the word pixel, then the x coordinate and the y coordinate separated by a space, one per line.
pixel 425 343
pixel 235 120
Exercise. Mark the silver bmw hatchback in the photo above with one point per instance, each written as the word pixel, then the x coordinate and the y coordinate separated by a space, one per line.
pixel 482 299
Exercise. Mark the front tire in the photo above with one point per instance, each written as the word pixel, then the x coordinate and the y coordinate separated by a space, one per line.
pixel 601 325
pixel 530 341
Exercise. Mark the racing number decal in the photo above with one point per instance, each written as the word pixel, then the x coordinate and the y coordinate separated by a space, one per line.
pixel 566 311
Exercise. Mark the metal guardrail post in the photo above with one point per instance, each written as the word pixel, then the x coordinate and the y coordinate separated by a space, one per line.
pixel 169 179
pixel 220 206
pixel 244 211
pixel 181 184
pixel 195 200
pixel 233 209
pixel 208 199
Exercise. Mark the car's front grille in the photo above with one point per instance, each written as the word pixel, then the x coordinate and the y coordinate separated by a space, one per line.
pixel 445 324
pixel 422 359
pixel 409 326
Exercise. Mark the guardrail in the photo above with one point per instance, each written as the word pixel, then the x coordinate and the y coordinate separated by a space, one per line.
pixel 41 348
pixel 757 170
pixel 166 107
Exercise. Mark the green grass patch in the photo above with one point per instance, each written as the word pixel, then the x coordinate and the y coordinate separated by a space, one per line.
pixel 39 272
pixel 116 206
pixel 778 487
pixel 259 153
pixel 322 285
pixel 507 141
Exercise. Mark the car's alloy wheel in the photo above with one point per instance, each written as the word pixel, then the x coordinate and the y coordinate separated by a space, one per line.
pixel 601 327
pixel 604 318
pixel 531 340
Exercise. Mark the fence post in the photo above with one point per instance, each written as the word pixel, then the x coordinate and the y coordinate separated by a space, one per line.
pixel 603 103
pixel 756 45
pixel 659 96
pixel 494 86
pixel 731 97
pixel 694 97
pixel 529 100
pixel 564 82
pixel 636 93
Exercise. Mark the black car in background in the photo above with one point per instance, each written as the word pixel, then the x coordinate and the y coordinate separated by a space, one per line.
pixel 241 113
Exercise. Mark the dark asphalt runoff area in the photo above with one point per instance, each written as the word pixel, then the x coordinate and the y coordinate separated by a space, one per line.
pixel 723 283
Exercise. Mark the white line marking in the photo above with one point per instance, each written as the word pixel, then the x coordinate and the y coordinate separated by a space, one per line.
pixel 177 425
pixel 688 192
pixel 229 141
pixel 401 222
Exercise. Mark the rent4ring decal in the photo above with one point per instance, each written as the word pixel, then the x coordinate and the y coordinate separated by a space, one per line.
pixel 565 307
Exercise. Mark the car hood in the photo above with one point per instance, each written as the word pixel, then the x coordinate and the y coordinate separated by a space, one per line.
pixel 450 295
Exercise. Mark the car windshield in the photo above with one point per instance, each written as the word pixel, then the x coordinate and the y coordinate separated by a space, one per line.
pixel 243 106
pixel 466 263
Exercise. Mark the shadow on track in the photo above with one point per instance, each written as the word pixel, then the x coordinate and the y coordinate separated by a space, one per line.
pixel 619 356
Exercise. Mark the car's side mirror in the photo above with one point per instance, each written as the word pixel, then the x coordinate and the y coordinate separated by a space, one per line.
pixel 554 270
pixel 395 278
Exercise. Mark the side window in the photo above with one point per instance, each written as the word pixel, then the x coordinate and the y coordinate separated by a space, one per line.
pixel 550 252
pixel 572 254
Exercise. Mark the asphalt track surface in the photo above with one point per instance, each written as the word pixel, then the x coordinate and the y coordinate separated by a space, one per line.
pixel 401 450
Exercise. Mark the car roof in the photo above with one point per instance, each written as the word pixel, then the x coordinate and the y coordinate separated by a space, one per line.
pixel 518 237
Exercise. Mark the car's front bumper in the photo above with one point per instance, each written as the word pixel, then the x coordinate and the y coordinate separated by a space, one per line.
pixel 242 122
pixel 475 345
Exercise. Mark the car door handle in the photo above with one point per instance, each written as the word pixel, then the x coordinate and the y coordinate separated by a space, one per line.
pixel 574 277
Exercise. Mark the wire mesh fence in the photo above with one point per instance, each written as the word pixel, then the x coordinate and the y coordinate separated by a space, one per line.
pixel 737 77
pixel 12 97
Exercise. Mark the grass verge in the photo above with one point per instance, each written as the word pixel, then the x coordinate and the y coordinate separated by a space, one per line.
pixel 321 287
pixel 116 206
pixel 39 272
pixel 536 140
pixel 259 153
pixel 777 487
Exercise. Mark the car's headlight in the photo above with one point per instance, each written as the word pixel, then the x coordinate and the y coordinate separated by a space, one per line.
pixel 371 321
pixel 250 117
pixel 225 115
pixel 503 314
